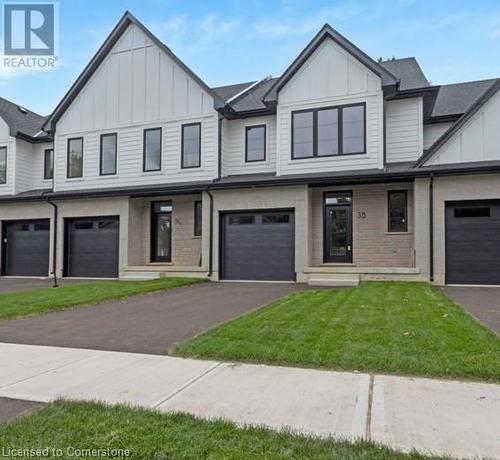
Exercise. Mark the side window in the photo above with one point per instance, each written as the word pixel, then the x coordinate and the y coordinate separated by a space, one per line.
pixel 152 150
pixel 108 154
pixel 302 135
pixel 397 211
pixel 75 157
pixel 255 143
pixel 48 164
pixel 197 218
pixel 191 145
pixel 3 165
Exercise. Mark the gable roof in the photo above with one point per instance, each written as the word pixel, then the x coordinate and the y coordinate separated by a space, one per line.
pixel 485 97
pixel 21 121
pixel 407 71
pixel 457 98
pixel 126 20
pixel 228 91
pixel 328 31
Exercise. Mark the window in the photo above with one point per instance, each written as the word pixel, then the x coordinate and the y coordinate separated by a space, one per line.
pixel 75 157
pixel 328 131
pixel 197 218
pixel 3 165
pixel 48 164
pixel 83 225
pixel 398 211
pixel 255 143
pixel 42 226
pixel 275 218
pixel 191 145
pixel 152 150
pixel 472 212
pixel 241 220
pixel 108 154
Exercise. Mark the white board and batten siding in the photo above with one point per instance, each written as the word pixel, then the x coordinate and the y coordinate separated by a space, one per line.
pixel 404 132
pixel 477 140
pixel 234 146
pixel 434 131
pixel 137 86
pixel 331 77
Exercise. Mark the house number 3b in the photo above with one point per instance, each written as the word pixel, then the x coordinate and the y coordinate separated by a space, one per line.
pixel 361 215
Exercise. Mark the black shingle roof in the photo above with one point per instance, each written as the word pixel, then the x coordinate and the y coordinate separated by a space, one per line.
pixel 229 91
pixel 21 120
pixel 408 71
pixel 457 98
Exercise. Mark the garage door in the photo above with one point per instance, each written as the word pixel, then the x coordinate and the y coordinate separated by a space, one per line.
pixel 92 246
pixel 473 242
pixel 26 248
pixel 258 246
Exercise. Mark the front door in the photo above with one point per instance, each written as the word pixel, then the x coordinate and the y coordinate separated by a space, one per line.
pixel 161 232
pixel 338 228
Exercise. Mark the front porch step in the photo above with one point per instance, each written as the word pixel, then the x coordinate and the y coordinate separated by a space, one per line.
pixel 155 271
pixel 334 280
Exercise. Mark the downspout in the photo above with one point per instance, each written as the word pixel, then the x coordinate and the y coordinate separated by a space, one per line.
pixel 210 233
pixel 431 227
pixel 54 242
pixel 219 149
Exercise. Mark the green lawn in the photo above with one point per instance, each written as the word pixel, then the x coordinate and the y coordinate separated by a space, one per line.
pixel 151 435
pixel 384 327
pixel 36 301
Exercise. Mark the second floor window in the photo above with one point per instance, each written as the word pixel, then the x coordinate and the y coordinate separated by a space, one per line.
pixel 152 150
pixel 108 154
pixel 75 157
pixel 328 131
pixel 3 165
pixel 191 145
pixel 255 143
pixel 48 164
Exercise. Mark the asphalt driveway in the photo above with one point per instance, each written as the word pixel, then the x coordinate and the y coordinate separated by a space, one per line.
pixel 481 302
pixel 150 323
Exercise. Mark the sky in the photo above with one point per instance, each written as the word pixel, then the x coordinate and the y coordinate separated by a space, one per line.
pixel 234 41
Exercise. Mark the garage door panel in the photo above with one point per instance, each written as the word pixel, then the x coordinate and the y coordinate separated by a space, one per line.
pixel 93 247
pixel 258 246
pixel 27 248
pixel 473 242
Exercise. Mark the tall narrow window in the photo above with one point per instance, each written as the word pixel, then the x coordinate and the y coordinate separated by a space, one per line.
pixel 108 154
pixel 398 211
pixel 75 157
pixel 197 218
pixel 302 135
pixel 48 164
pixel 152 150
pixel 255 143
pixel 3 165
pixel 328 136
pixel 191 145
pixel 353 129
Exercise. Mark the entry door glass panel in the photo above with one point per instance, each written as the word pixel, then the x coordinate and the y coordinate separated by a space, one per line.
pixel 161 236
pixel 338 234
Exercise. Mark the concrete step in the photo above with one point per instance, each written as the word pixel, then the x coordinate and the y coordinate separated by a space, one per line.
pixel 139 276
pixel 334 280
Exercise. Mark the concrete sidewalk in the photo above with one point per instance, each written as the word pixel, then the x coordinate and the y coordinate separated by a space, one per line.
pixel 432 416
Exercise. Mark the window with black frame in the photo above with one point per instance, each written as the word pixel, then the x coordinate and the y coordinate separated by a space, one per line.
pixel 191 145
pixel 75 157
pixel 48 164
pixel 329 131
pixel 255 143
pixel 397 202
pixel 108 154
pixel 3 165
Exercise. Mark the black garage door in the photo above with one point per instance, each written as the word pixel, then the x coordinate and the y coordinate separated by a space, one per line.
pixel 26 248
pixel 473 242
pixel 92 246
pixel 258 246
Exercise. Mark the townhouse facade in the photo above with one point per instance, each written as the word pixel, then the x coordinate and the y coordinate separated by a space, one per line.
pixel 341 169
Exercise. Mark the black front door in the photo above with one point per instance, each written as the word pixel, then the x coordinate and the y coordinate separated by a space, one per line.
pixel 161 232
pixel 338 228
